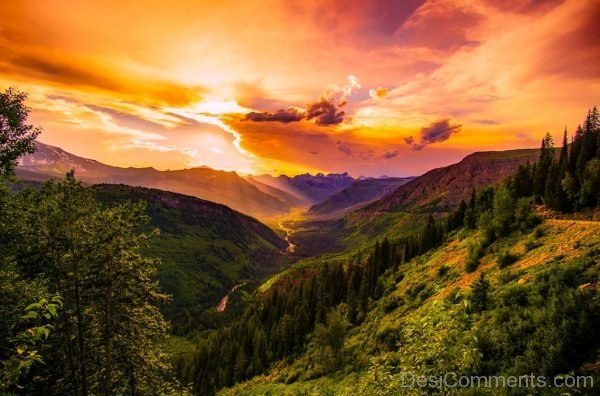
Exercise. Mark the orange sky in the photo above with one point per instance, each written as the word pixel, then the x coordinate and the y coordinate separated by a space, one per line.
pixel 369 87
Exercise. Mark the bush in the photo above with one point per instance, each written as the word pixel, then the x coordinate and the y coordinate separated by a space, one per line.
pixel 538 232
pixel 475 253
pixel 531 244
pixel 505 259
pixel 443 270
pixel 506 276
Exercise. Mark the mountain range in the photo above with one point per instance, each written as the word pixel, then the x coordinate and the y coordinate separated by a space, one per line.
pixel 360 192
pixel 223 187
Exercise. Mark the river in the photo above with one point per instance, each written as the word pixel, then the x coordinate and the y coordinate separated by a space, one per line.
pixel 223 303
pixel 291 247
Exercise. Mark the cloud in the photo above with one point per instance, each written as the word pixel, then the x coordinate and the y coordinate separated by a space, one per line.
pixel 487 122
pixel 76 73
pixel 281 115
pixel 343 147
pixel 441 26
pixel 535 7
pixel 324 113
pixel 366 22
pixel 378 93
pixel 389 154
pixel 436 132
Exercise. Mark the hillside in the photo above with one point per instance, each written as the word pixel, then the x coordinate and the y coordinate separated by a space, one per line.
pixel 312 189
pixel 425 321
pixel 205 248
pixel 292 200
pixel 218 186
pixel 443 188
pixel 360 192
pixel 399 213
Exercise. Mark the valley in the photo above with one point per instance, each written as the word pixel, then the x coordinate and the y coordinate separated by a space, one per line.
pixel 300 198
pixel 352 277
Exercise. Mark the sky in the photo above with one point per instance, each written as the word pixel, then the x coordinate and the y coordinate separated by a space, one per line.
pixel 370 87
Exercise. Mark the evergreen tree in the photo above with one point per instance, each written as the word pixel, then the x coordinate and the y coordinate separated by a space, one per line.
pixel 479 294
pixel 428 236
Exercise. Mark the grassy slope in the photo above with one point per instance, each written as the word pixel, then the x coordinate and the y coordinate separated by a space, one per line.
pixel 562 243
pixel 205 248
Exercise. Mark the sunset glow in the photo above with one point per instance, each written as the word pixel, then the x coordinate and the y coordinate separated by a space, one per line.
pixel 369 87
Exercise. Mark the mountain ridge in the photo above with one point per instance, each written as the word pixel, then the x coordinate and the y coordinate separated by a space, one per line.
pixel 445 187
pixel 227 188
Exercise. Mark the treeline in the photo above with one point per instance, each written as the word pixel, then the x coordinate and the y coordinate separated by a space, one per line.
pixel 570 182
pixel 79 303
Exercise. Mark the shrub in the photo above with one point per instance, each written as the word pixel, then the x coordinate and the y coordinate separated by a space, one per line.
pixel 531 244
pixel 475 253
pixel 505 259
pixel 443 270
pixel 506 276
pixel 538 232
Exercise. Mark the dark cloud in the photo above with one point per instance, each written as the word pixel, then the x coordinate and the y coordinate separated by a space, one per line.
pixel 343 147
pixel 366 155
pixel 389 154
pixel 529 7
pixel 314 152
pixel 487 122
pixel 324 113
pixel 281 115
pixel 436 132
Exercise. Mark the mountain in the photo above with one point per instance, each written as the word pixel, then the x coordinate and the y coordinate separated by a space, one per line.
pixel 291 200
pixel 401 212
pixel 312 189
pixel 360 192
pixel 219 186
pixel 444 188
pixel 205 248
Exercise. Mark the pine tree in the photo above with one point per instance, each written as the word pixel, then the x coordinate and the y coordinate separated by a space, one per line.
pixel 479 294
pixel 428 236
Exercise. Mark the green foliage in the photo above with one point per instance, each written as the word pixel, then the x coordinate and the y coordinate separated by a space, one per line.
pixel 475 251
pixel 34 328
pixel 329 340
pixel 442 271
pixel 479 294
pixel 503 212
pixel 109 334
pixel 505 259
pixel 549 327
pixel 16 136
pixel 200 258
